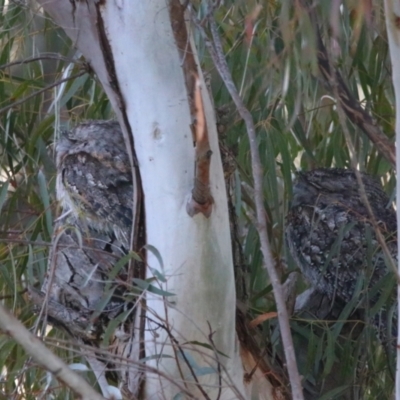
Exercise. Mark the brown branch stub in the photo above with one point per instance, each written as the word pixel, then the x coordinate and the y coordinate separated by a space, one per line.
pixel 189 66
pixel 201 200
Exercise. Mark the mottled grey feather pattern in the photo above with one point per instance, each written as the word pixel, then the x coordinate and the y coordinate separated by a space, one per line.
pixel 330 235
pixel 78 280
pixel 88 290
pixel 94 179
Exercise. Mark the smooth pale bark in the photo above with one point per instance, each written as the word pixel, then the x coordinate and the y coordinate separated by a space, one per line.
pixel 196 252
pixel 392 11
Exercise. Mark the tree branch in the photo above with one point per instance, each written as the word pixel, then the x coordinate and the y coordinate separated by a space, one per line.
pixel 17 103
pixel 215 49
pixel 43 56
pixel 346 99
pixel 33 346
pixel 201 200
pixel 392 11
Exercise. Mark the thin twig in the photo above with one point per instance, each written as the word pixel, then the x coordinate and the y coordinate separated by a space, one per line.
pixel 217 55
pixel 249 376
pixel 210 338
pixel 49 244
pixel 104 355
pixel 33 346
pixel 176 343
pixel 17 103
pixel 338 87
pixel 392 11
pixel 44 56
pixel 11 296
pixel 227 377
pixel 350 106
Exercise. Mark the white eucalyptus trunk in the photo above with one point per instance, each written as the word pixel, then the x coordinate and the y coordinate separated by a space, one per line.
pixel 392 11
pixel 196 252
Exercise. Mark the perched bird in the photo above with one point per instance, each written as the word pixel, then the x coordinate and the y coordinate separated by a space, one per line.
pixel 88 290
pixel 78 281
pixel 332 238
pixel 94 179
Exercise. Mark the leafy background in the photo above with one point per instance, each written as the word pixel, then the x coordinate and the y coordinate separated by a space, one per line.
pixel 297 127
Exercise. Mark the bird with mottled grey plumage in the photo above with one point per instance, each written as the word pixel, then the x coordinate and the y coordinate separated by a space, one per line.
pixel 332 237
pixel 94 178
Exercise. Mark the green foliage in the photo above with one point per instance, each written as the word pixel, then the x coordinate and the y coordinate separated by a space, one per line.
pixel 27 175
pixel 297 126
